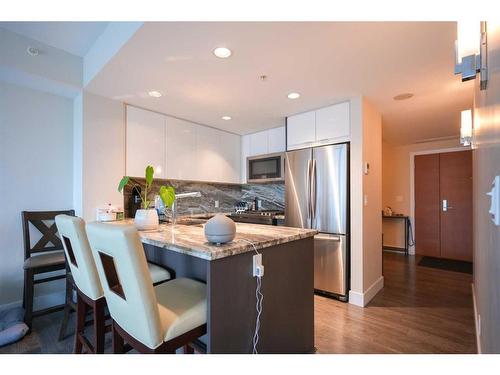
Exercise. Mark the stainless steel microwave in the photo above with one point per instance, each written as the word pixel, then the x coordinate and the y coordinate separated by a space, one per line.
pixel 266 168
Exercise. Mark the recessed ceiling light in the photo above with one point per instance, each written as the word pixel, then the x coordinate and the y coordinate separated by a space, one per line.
pixel 404 96
pixel 222 52
pixel 226 118
pixel 155 94
pixel 293 95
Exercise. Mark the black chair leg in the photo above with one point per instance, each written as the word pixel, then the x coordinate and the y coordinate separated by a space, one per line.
pixel 28 297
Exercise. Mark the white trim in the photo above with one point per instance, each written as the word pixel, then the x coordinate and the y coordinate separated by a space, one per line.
pixel 362 299
pixel 356 298
pixel 411 249
pixel 39 302
pixel 476 320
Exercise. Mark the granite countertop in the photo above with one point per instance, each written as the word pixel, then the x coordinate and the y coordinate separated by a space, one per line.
pixel 190 239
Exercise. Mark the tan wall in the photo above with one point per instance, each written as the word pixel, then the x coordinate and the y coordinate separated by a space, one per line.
pixel 366 251
pixel 372 190
pixel 486 164
pixel 396 183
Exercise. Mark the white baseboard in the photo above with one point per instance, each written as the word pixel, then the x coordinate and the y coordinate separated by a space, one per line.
pixel 476 320
pixel 39 302
pixel 362 299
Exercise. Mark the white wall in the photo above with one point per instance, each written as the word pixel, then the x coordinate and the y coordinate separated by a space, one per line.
pixel 100 153
pixel 486 165
pixel 36 148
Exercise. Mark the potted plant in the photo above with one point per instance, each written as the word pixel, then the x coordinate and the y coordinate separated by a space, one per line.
pixel 146 218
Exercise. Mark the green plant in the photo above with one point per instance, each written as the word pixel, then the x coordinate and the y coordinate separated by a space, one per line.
pixel 167 193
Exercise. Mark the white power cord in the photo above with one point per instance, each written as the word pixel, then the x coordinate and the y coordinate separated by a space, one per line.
pixel 259 298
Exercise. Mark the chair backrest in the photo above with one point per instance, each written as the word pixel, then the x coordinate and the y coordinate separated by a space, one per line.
pixel 79 255
pixel 49 232
pixel 126 281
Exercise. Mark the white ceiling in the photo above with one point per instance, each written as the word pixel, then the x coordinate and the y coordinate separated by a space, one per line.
pixel 73 37
pixel 325 61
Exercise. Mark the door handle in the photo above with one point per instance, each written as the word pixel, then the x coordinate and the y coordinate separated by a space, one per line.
pixel 445 205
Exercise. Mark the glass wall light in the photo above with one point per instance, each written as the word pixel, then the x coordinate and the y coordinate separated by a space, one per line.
pixel 466 128
pixel 470 51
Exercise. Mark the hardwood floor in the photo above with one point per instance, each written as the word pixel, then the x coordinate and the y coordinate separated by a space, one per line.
pixel 420 310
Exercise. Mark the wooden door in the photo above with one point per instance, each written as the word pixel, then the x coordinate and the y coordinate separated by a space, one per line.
pixel 444 232
pixel 427 215
pixel 455 181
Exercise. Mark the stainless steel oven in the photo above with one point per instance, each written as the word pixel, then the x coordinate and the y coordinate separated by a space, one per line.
pixel 266 168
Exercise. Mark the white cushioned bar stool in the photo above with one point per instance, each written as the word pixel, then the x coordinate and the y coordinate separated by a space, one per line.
pixel 149 319
pixel 90 293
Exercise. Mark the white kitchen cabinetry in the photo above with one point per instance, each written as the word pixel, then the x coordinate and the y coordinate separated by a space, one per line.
pixel 276 140
pixel 326 125
pixel 301 129
pixel 181 149
pixel 333 123
pixel 145 143
pixel 231 152
pixel 207 154
pixel 259 143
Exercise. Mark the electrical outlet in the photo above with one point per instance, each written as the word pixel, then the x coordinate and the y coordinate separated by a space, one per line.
pixel 258 268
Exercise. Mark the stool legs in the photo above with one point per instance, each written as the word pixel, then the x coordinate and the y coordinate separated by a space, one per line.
pixel 81 313
pixel 99 326
pixel 118 342
pixel 28 297
pixel 67 308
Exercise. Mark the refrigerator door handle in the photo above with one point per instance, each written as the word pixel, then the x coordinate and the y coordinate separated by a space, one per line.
pixel 313 192
pixel 308 197
pixel 331 237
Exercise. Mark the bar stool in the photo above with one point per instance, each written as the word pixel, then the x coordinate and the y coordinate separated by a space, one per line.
pixel 44 256
pixel 149 319
pixel 87 284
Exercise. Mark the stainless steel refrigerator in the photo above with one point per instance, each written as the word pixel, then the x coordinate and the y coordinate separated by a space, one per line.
pixel 317 197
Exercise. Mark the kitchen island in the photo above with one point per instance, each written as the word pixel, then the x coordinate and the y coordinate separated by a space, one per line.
pixel 287 319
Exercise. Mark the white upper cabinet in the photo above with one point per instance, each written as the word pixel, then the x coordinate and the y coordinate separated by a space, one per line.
pixel 231 157
pixel 259 143
pixel 301 129
pixel 326 125
pixel 276 140
pixel 207 154
pixel 145 142
pixel 333 123
pixel 181 149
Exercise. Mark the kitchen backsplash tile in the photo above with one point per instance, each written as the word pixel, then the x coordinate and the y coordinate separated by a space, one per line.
pixel 272 195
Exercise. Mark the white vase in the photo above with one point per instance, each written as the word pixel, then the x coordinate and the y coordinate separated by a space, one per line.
pixel 146 219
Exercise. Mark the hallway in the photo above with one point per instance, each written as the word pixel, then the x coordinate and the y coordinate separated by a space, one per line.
pixel 420 310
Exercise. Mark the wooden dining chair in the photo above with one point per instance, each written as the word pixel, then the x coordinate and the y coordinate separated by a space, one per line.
pixel 46 255
pixel 90 296
pixel 149 319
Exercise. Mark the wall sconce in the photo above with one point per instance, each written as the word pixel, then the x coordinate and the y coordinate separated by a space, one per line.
pixel 466 128
pixel 470 52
